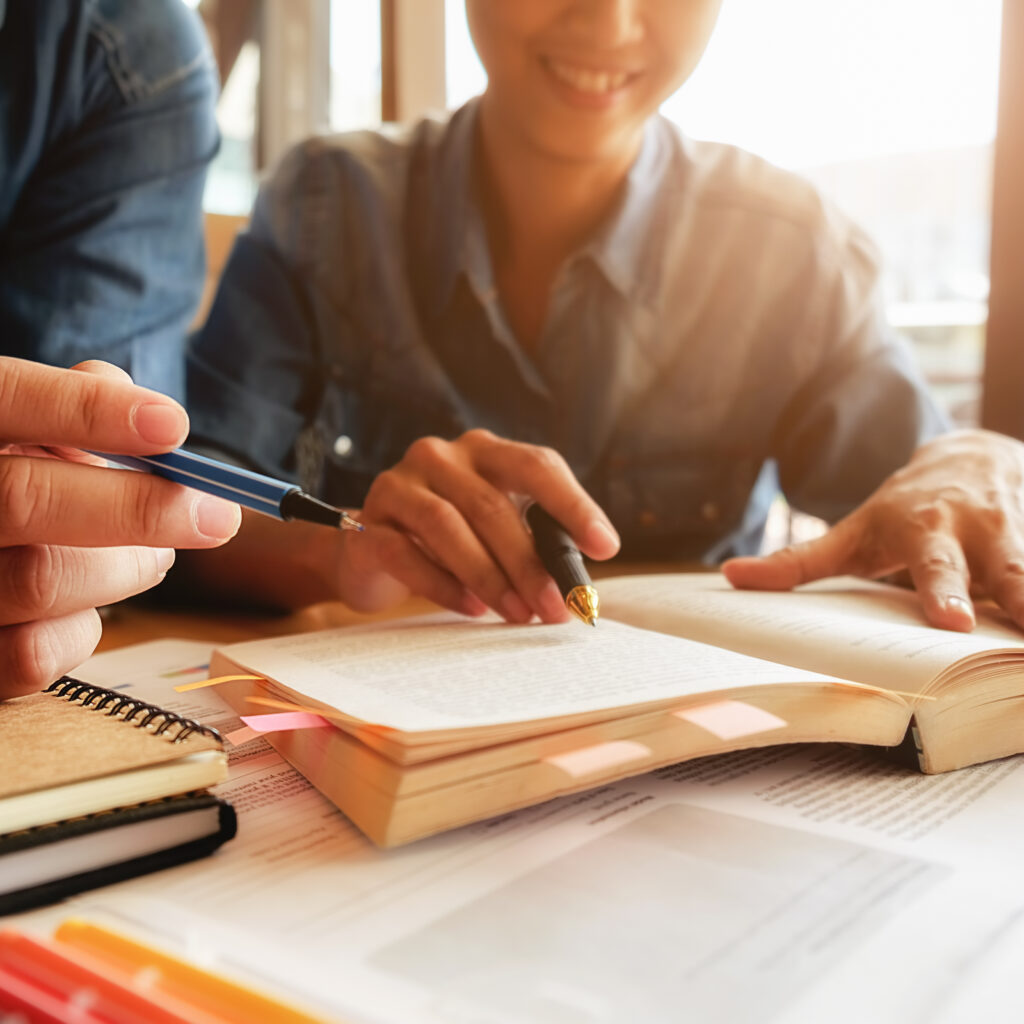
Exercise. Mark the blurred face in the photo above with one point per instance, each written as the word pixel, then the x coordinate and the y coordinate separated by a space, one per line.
pixel 577 79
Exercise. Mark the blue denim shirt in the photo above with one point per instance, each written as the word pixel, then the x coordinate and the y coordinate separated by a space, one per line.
pixel 106 128
pixel 719 336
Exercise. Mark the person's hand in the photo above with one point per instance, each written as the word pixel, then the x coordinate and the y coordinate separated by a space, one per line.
pixel 445 523
pixel 73 534
pixel 953 517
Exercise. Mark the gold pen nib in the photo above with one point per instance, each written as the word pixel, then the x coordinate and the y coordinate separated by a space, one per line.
pixel 583 602
pixel 348 523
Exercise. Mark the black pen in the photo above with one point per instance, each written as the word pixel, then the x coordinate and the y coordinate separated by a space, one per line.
pixel 276 498
pixel 563 560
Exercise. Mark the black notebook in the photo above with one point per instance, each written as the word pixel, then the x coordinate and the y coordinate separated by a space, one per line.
pixel 43 864
pixel 97 786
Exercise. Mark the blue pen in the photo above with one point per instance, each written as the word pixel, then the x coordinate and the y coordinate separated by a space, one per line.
pixel 264 494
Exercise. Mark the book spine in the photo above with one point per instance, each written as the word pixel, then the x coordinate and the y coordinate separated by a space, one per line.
pixel 140 713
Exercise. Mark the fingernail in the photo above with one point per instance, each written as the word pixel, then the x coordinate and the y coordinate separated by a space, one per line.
pixel 955 603
pixel 472 606
pixel 160 423
pixel 215 518
pixel 164 558
pixel 601 531
pixel 550 603
pixel 514 608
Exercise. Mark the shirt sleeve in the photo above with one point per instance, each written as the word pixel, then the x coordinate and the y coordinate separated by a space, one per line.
pixel 102 256
pixel 254 369
pixel 865 408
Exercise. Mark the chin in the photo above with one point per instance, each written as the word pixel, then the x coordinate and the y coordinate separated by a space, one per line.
pixel 587 147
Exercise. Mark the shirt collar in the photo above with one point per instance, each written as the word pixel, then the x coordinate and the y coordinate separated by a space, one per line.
pixel 458 222
pixel 624 248
pixel 622 245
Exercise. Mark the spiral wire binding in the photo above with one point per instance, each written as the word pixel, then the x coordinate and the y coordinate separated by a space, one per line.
pixel 129 708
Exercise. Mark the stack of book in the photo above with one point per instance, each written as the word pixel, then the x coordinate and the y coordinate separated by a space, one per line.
pixel 96 786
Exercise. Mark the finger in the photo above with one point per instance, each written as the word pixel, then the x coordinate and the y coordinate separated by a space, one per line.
pixel 1001 572
pixel 941 577
pixel 47 501
pixel 543 475
pixel 46 405
pixel 393 552
pixel 34 654
pixel 499 537
pixel 830 555
pixel 102 369
pixel 47 582
pixel 440 527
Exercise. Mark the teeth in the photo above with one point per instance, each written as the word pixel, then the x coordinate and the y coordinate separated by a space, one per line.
pixel 588 81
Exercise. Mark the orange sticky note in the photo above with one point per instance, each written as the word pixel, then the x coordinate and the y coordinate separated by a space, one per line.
pixel 200 684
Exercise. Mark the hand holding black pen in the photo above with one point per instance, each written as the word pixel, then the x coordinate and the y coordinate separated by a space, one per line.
pixel 446 521
pixel 564 561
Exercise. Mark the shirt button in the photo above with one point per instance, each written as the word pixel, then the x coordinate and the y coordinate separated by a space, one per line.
pixel 343 445
pixel 647 518
pixel 709 510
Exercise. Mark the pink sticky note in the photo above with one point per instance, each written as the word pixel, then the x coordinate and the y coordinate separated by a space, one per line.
pixel 730 719
pixel 284 721
pixel 240 736
pixel 598 758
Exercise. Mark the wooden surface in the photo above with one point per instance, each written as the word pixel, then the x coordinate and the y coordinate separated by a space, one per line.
pixel 130 623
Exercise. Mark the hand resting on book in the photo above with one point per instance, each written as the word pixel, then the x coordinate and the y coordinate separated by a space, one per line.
pixel 953 517
pixel 75 535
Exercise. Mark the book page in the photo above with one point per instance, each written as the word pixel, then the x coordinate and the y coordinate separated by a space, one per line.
pixel 446 672
pixel 854 629
pixel 790 885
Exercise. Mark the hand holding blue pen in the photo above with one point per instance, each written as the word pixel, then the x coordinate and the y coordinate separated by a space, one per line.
pixel 75 537
pixel 255 491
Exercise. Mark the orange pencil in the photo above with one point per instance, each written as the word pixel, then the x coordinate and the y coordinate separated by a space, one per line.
pixel 76 981
pixel 226 999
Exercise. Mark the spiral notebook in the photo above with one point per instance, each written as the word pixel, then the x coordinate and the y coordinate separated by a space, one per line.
pixel 96 785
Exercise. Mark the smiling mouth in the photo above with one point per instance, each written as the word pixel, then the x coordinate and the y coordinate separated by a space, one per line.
pixel 586 80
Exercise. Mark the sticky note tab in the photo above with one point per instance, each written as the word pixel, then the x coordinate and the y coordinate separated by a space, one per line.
pixel 239 736
pixel 599 758
pixel 730 719
pixel 286 720
pixel 185 687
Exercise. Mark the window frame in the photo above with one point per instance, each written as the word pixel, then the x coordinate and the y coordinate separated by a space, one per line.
pixel 1002 402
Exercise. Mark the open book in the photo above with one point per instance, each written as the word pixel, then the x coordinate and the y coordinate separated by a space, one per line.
pixel 440 721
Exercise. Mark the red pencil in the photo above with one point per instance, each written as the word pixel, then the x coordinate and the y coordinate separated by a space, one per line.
pixel 34 1005
pixel 75 982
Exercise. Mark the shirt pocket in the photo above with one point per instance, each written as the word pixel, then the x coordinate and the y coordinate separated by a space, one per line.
pixel 677 505
pixel 364 430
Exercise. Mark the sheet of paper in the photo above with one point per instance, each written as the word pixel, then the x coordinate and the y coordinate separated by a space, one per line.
pixel 785 884
pixel 454 672
pixel 851 628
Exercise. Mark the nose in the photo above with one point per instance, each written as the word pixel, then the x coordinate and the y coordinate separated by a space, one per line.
pixel 608 23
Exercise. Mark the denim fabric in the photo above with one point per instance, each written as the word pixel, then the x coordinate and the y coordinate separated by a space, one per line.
pixel 106 129
pixel 720 336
